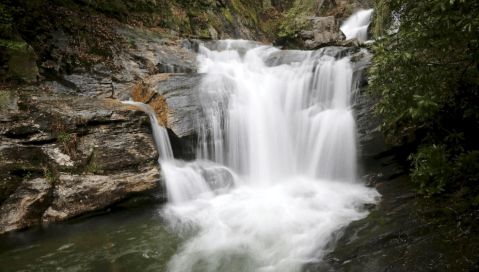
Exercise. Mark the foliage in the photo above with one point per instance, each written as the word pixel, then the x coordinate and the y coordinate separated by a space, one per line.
pixel 292 24
pixel 92 164
pixel 6 20
pixel 13 45
pixel 64 138
pixel 312 7
pixel 382 19
pixel 427 80
pixel 432 169
pixel 68 141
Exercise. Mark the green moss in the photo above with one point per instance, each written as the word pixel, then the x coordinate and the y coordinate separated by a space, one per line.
pixel 247 9
pixel 13 46
pixel 65 138
pixel 205 33
pixel 21 60
pixel 227 14
pixel 92 162
pixel 4 100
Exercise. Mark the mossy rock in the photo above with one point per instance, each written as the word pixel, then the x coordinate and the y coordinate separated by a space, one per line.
pixel 22 63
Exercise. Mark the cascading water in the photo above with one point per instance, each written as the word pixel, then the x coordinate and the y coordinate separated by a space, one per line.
pixel 357 25
pixel 276 171
pixel 160 135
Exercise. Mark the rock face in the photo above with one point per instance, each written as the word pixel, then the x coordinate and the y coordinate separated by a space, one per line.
pixel 324 31
pixel 64 156
pixel 146 55
pixel 174 97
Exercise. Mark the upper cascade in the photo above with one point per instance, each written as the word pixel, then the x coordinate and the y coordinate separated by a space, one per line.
pixel 357 25
pixel 267 123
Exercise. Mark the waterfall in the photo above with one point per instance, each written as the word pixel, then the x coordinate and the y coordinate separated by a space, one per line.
pixel 275 175
pixel 357 25
pixel 160 135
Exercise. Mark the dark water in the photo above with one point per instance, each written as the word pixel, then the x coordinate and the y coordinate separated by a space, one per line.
pixel 130 240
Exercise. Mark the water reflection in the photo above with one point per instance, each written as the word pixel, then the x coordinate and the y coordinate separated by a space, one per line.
pixel 127 240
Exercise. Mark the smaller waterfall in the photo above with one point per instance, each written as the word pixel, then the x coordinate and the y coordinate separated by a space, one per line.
pixel 160 135
pixel 357 25
pixel 185 181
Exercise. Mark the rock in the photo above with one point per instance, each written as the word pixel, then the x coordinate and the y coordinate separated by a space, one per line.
pixel 359 56
pixel 80 194
pixel 324 31
pixel 307 35
pixel 213 32
pixel 286 57
pixel 98 148
pixel 149 55
pixel 25 207
pixel 22 62
pixel 349 43
pixel 174 98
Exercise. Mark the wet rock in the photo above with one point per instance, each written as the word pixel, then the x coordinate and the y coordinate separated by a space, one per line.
pixel 360 57
pixel 26 205
pixel 174 98
pixel 286 57
pixel 80 194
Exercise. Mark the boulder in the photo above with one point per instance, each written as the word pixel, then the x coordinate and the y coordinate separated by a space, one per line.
pixel 321 32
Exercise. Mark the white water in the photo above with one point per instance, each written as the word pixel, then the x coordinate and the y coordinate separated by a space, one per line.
pixel 275 177
pixel 160 135
pixel 357 25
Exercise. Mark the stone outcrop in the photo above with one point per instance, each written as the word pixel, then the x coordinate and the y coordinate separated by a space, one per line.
pixel 64 156
pixel 147 55
pixel 174 97
pixel 322 31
